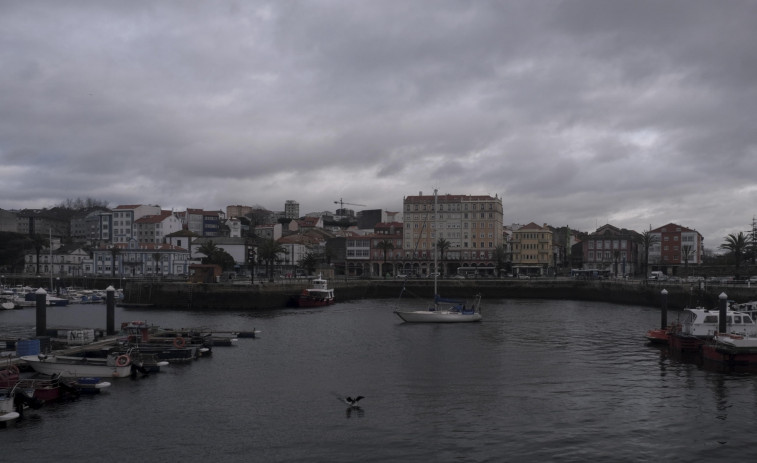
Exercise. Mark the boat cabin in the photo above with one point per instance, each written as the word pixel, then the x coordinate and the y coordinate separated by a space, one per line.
pixel 704 323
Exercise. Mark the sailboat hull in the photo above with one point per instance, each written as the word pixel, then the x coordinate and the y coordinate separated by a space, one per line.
pixel 437 316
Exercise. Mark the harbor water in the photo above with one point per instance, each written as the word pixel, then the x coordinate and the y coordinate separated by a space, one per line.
pixel 537 380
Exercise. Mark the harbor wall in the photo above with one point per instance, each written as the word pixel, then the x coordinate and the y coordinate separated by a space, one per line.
pixel 183 295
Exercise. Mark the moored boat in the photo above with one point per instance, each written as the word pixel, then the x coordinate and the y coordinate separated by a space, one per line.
pixel 733 349
pixel 444 311
pixel 90 385
pixel 75 367
pixel 699 324
pixel 317 295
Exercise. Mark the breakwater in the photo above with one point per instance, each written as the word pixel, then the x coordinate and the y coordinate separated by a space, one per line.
pixel 183 295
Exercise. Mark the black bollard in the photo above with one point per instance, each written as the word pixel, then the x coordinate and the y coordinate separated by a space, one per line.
pixel 41 299
pixel 664 310
pixel 110 304
pixel 723 306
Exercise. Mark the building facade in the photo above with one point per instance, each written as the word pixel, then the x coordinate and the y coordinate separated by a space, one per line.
pixel 612 249
pixel 471 227
pixel 532 250
pixel 124 218
pixel 675 248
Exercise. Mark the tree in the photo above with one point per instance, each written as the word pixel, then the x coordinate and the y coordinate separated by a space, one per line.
pixel 268 252
pixel 647 239
pixel 208 248
pixel 385 245
pixel 157 257
pixel 12 246
pixel 309 262
pixel 687 251
pixel 39 242
pixel 114 251
pixel 442 246
pixel 500 257
pixel 736 245
pixel 615 260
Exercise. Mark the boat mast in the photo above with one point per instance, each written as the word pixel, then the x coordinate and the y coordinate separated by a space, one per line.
pixel 433 238
pixel 51 259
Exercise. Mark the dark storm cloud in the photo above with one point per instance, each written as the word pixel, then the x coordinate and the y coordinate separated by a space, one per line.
pixel 576 113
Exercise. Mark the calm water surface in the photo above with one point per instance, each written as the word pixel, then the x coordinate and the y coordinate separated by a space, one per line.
pixel 536 381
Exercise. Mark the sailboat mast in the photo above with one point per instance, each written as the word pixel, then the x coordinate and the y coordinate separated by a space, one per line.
pixel 433 238
pixel 51 259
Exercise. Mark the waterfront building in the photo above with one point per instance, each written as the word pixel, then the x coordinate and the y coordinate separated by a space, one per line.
pixel 532 250
pixel 471 225
pixel 675 247
pixel 386 249
pixel 135 259
pixel 612 249
pixel 63 261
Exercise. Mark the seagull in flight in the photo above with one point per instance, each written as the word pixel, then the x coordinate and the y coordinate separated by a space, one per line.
pixel 353 402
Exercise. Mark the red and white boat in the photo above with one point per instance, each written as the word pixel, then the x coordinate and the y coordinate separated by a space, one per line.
pixel 699 325
pixel 318 295
pixel 732 349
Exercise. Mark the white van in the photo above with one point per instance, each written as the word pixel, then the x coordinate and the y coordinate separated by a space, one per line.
pixel 657 275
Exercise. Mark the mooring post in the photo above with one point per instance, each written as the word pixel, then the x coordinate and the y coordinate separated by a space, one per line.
pixel 723 306
pixel 110 317
pixel 41 300
pixel 664 310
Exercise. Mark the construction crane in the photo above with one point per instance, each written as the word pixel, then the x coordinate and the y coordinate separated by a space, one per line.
pixel 342 203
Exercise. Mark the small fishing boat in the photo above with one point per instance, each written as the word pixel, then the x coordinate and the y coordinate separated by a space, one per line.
pixel 9 376
pixel 318 295
pixel 91 385
pixel 75 367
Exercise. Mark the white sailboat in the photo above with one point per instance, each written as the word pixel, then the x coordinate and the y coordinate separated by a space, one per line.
pixel 443 310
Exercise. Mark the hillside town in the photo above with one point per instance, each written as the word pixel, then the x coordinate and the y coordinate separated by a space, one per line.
pixel 468 234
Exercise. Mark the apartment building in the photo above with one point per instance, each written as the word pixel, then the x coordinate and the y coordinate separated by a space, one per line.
pixel 154 228
pixel 612 249
pixel 125 217
pixel 675 246
pixel 470 224
pixel 532 250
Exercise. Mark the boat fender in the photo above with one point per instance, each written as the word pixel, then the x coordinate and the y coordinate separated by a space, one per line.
pixel 122 360
pixel 13 369
pixel 179 342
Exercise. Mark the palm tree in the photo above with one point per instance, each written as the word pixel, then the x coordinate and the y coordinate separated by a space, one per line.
pixel 442 246
pixel 268 252
pixel 114 252
pixel 156 256
pixel 208 248
pixel 385 245
pixel 736 245
pixel 648 239
pixel 39 242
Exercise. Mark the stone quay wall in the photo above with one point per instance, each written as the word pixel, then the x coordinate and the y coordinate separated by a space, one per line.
pixel 263 296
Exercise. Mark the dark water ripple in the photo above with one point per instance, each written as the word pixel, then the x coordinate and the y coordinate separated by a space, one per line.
pixel 536 381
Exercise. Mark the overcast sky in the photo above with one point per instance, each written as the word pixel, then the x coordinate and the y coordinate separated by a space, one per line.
pixel 580 113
